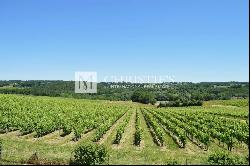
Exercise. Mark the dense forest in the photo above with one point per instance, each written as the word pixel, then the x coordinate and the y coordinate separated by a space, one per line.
pixel 169 94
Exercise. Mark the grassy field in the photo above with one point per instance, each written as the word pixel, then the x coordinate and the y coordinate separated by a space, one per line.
pixel 53 148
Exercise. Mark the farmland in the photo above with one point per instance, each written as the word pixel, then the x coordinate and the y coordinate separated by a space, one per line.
pixel 134 133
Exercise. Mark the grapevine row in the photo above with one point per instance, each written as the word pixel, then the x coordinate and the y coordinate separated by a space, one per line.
pixel 121 128
pixel 155 129
pixel 138 129
pixel 177 133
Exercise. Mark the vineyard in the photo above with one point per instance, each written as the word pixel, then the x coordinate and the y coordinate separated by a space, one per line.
pixel 134 133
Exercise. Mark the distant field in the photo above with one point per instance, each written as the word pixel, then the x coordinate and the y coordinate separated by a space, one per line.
pixel 53 127
pixel 233 102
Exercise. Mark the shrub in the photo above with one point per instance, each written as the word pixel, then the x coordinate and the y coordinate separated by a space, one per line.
pixel 33 159
pixel 118 136
pixel 1 148
pixel 172 162
pixel 138 136
pixel 90 154
pixel 224 158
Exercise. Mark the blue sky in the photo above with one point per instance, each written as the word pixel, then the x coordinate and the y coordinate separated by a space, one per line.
pixel 191 40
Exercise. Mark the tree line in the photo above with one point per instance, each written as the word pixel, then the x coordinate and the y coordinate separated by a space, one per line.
pixel 171 94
